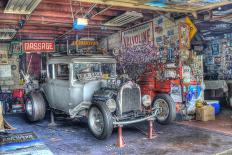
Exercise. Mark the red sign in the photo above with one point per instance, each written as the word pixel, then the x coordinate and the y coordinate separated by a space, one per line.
pixel 38 46
pixel 138 35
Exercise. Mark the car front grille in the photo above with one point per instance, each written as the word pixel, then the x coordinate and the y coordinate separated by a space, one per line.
pixel 130 98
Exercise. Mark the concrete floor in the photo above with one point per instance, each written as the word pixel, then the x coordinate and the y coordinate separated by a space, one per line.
pixel 222 123
pixel 73 137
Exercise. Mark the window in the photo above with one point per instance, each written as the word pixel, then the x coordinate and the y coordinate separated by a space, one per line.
pixel 87 71
pixel 50 70
pixel 108 69
pixel 62 71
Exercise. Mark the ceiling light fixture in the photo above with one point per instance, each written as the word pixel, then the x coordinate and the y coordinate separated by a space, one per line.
pixel 21 6
pixel 124 18
pixel 80 23
pixel 7 34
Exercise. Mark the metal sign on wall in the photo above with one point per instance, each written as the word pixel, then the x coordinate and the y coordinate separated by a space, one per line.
pixel 32 46
pixel 184 38
pixel 3 57
pixel 193 28
pixel 85 43
pixel 138 35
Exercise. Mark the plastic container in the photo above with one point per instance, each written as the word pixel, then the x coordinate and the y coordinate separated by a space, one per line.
pixel 215 104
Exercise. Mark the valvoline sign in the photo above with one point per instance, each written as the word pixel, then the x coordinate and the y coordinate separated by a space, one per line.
pixel 38 46
pixel 138 35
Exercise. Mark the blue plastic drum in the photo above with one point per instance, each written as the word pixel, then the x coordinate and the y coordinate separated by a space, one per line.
pixel 215 104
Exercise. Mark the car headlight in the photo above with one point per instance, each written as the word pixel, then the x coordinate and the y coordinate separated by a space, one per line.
pixel 111 104
pixel 146 100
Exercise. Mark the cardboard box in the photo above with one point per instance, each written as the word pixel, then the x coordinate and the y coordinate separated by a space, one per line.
pixel 205 113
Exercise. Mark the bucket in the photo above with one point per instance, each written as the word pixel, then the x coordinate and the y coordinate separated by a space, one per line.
pixel 215 104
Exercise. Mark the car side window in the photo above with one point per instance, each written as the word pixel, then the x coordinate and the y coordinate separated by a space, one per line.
pixel 50 70
pixel 62 72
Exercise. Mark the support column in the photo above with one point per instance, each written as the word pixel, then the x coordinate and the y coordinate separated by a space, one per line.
pixel 151 132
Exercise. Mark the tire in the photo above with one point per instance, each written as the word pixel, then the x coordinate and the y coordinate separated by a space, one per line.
pixel 230 102
pixel 105 121
pixel 165 101
pixel 35 106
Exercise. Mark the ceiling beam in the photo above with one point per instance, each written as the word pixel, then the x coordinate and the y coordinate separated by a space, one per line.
pixel 189 8
pixel 61 32
pixel 44 19
pixel 52 36
pixel 77 4
pixel 214 5
pixel 138 6
pixel 57 14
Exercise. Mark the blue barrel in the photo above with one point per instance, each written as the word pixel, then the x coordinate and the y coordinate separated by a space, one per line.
pixel 215 104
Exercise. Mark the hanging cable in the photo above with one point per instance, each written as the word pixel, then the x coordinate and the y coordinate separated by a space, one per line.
pixel 71 10
pixel 84 16
pixel 90 9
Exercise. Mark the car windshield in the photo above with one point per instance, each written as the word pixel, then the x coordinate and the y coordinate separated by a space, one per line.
pixel 108 70
pixel 93 71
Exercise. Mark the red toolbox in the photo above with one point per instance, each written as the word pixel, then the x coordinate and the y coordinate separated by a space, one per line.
pixel 18 93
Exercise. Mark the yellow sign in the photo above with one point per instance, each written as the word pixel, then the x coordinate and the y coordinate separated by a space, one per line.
pixel 105 76
pixel 85 43
pixel 193 29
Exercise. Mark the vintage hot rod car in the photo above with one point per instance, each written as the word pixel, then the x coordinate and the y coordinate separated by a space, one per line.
pixel 88 86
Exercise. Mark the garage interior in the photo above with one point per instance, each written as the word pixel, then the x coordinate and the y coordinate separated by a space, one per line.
pixel 115 77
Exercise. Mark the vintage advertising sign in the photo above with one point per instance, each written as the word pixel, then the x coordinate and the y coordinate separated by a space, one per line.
pixel 138 35
pixel 186 72
pixel 193 28
pixel 16 47
pixel 5 71
pixel 184 38
pixel 85 43
pixel 176 93
pixel 3 57
pixel 38 46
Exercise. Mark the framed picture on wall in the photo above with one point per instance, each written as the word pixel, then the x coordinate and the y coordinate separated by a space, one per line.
pixel 215 49
pixel 5 71
pixel 3 57
pixel 210 60
pixel 229 43
pixel 184 38
pixel 217 60
pixel 16 47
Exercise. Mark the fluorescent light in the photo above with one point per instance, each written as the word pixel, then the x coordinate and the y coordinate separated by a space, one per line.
pixel 7 34
pixel 125 18
pixel 88 38
pixel 82 21
pixel 21 6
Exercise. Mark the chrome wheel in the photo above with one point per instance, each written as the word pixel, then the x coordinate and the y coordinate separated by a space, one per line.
pixel 163 109
pixel 96 120
pixel 29 107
